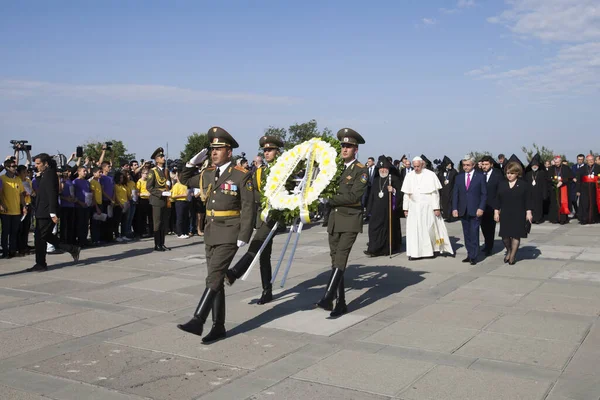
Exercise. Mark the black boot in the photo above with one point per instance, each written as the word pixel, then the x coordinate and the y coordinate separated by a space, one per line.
pixel 162 240
pixel 326 302
pixel 239 269
pixel 157 246
pixel 340 305
pixel 265 277
pixel 196 324
pixel 218 315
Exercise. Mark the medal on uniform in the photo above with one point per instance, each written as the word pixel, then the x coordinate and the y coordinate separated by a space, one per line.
pixel 381 194
pixel 533 183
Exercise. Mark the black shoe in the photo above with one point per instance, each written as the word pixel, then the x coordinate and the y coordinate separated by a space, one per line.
pixel 75 253
pixel 326 302
pixel 512 262
pixel 473 261
pixel 196 324
pixel 158 248
pixel 267 297
pixel 340 309
pixel 218 331
pixel 506 259
pixel 165 248
pixel 38 268
pixel 466 260
pixel 487 252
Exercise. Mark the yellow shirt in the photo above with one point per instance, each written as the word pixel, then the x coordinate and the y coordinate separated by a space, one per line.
pixel 97 190
pixel 27 196
pixel 11 195
pixel 179 190
pixel 121 194
pixel 141 187
pixel 130 187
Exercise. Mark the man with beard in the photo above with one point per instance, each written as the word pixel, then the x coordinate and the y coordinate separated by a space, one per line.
pixel 588 191
pixel 426 233
pixel 270 146
pixel 560 177
pixel 386 186
pixel 447 175
pixel 538 179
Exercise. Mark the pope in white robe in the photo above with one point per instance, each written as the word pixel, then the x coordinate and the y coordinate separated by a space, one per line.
pixel 426 232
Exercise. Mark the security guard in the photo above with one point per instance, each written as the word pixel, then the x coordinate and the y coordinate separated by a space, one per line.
pixel 229 195
pixel 345 219
pixel 271 147
pixel 158 184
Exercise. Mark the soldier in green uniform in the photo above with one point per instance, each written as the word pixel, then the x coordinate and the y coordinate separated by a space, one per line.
pixel 158 184
pixel 270 146
pixel 229 195
pixel 345 219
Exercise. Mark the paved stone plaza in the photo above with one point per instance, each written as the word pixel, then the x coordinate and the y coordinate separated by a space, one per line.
pixel 428 329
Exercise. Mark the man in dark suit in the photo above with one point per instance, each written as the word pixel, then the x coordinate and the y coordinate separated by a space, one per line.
pixel 468 202
pixel 493 177
pixel 573 186
pixel 366 196
pixel 46 213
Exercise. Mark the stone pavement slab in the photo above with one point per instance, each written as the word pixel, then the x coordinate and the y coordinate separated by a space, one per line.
pixel 428 329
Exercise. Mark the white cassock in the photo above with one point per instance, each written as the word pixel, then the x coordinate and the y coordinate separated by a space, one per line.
pixel 425 233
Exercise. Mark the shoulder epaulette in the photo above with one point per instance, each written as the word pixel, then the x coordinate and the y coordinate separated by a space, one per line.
pixel 242 169
pixel 359 165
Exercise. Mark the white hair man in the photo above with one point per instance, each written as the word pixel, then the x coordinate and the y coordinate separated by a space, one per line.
pixel 426 232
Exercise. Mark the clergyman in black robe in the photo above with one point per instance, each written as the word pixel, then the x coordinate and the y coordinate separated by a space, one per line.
pixel 447 174
pixel 588 191
pixel 386 184
pixel 536 176
pixel 560 176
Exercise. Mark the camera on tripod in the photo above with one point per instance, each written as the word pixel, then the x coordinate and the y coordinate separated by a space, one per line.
pixel 20 145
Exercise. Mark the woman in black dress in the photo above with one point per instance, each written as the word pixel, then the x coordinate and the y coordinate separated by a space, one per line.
pixel 514 210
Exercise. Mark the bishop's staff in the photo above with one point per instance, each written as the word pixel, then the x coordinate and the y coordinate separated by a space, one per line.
pixel 390 212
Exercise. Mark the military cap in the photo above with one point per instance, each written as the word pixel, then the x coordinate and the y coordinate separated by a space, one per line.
pixel 219 137
pixel 270 142
pixel 350 136
pixel 157 153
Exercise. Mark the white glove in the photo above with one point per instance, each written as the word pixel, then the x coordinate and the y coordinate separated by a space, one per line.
pixel 166 194
pixel 241 243
pixel 199 158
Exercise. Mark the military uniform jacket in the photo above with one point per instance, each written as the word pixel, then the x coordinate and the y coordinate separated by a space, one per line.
pixel 346 208
pixel 229 203
pixel 156 183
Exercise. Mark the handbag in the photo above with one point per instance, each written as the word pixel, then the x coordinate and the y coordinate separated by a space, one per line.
pixel 528 227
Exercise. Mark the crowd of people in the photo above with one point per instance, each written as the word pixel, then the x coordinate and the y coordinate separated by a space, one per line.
pixel 90 203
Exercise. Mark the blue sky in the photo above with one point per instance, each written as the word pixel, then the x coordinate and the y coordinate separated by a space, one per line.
pixel 433 77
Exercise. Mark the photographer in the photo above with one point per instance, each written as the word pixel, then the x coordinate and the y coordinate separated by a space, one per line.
pixel 46 211
pixel 23 236
pixel 12 203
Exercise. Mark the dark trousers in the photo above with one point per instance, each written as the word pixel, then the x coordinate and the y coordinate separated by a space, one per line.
pixel 95 226
pixel 470 227
pixel 82 219
pixel 23 236
pixel 340 245
pixel 265 257
pixel 10 231
pixel 143 215
pixel 67 225
pixel 43 235
pixel 119 218
pixel 182 209
pixel 108 225
pixel 488 228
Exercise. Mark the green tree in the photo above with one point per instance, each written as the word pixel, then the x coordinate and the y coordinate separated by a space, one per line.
pixel 477 155
pixel 546 154
pixel 195 143
pixel 298 133
pixel 116 155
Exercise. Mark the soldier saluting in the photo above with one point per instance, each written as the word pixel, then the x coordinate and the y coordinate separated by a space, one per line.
pixel 270 146
pixel 229 195
pixel 345 219
pixel 158 184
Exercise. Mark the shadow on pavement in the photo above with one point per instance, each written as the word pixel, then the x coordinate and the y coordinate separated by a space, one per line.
pixel 380 282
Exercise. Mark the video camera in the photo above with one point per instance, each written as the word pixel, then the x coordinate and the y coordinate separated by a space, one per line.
pixel 108 146
pixel 20 145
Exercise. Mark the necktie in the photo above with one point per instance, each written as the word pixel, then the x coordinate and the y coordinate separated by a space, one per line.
pixel 217 174
pixel 468 181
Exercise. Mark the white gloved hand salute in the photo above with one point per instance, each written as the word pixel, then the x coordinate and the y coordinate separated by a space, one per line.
pixel 199 158
pixel 241 243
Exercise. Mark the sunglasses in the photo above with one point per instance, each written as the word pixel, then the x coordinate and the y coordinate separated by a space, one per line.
pixel 12 166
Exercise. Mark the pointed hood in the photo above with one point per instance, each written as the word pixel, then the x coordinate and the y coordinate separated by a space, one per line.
pixel 384 162
pixel 535 160
pixel 445 162
pixel 428 163
pixel 514 158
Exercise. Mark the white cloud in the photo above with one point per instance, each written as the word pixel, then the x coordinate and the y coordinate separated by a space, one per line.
pixel 572 24
pixel 130 92
pixel 479 71
pixel 429 21
pixel 465 3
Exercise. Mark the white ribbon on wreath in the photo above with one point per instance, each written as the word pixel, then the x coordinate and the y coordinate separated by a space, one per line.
pixel 320 157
